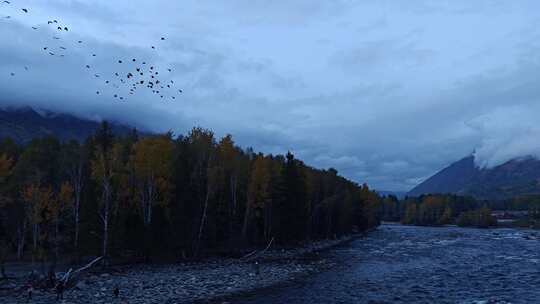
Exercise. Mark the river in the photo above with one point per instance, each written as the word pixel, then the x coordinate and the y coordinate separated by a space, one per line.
pixel 405 264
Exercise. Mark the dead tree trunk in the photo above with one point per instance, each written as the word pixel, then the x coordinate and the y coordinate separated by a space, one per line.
pixel 104 215
pixel 21 237
pixel 203 221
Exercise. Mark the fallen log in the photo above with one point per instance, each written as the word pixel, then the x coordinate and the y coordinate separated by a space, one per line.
pixel 71 277
pixel 256 254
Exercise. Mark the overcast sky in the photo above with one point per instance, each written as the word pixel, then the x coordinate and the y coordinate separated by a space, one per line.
pixel 386 92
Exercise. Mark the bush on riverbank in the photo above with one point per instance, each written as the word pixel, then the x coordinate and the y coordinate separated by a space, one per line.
pixel 437 210
pixel 480 218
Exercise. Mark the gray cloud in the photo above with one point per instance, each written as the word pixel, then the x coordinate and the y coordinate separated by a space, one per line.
pixel 386 92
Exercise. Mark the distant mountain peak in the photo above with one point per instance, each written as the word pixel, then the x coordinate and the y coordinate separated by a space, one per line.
pixel 518 176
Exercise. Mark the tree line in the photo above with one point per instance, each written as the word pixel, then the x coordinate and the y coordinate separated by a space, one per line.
pixel 438 209
pixel 166 196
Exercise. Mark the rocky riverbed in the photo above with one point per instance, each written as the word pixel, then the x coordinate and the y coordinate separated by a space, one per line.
pixel 184 283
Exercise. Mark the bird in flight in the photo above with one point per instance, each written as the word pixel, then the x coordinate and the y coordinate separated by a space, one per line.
pixel 25 10
pixel 35 28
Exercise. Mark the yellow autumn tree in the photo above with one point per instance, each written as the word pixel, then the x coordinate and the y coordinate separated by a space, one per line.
pixel 40 205
pixel 6 163
pixel 258 190
pixel 152 163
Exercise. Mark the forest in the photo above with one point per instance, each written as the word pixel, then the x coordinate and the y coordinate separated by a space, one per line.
pixel 438 209
pixel 166 197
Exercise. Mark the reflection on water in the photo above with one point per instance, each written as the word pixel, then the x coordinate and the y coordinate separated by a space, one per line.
pixel 399 264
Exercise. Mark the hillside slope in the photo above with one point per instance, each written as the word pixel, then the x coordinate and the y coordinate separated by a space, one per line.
pixel 514 178
pixel 24 124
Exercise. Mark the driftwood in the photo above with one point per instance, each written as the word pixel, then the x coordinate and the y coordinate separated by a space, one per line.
pixel 71 277
pixel 255 254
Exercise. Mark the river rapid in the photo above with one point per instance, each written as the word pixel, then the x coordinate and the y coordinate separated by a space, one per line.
pixel 405 264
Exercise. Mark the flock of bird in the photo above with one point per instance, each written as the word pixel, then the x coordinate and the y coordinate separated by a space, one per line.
pixel 135 74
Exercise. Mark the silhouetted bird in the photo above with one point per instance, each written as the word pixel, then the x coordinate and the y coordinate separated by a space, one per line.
pixel 26 68
pixel 93 55
pixel 97 92
pixel 80 41
pixel 169 70
pixel 162 38
pixel 7 17
pixel 87 66
pixel 45 48
pixel 35 28
pixel 119 61
pixel 51 53
pixel 63 48
pixel 66 29
pixel 116 74
pixel 12 74
pixel 134 60
pixel 25 10
pixel 59 28
pixel 115 95
pixel 7 2
pixel 153 47
pixel 96 75
pixel 49 22
pixel 180 91
pixel 56 37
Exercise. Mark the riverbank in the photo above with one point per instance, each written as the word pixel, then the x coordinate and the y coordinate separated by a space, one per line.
pixel 186 283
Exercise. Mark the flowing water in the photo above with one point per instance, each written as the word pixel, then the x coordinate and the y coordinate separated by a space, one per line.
pixel 404 264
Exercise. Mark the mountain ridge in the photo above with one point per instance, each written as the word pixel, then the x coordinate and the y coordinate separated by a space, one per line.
pixel 23 124
pixel 516 177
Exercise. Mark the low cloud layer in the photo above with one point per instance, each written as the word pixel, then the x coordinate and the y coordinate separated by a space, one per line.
pixel 387 92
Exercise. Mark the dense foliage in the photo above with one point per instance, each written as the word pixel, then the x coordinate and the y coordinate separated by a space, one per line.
pixel 433 210
pixel 167 196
